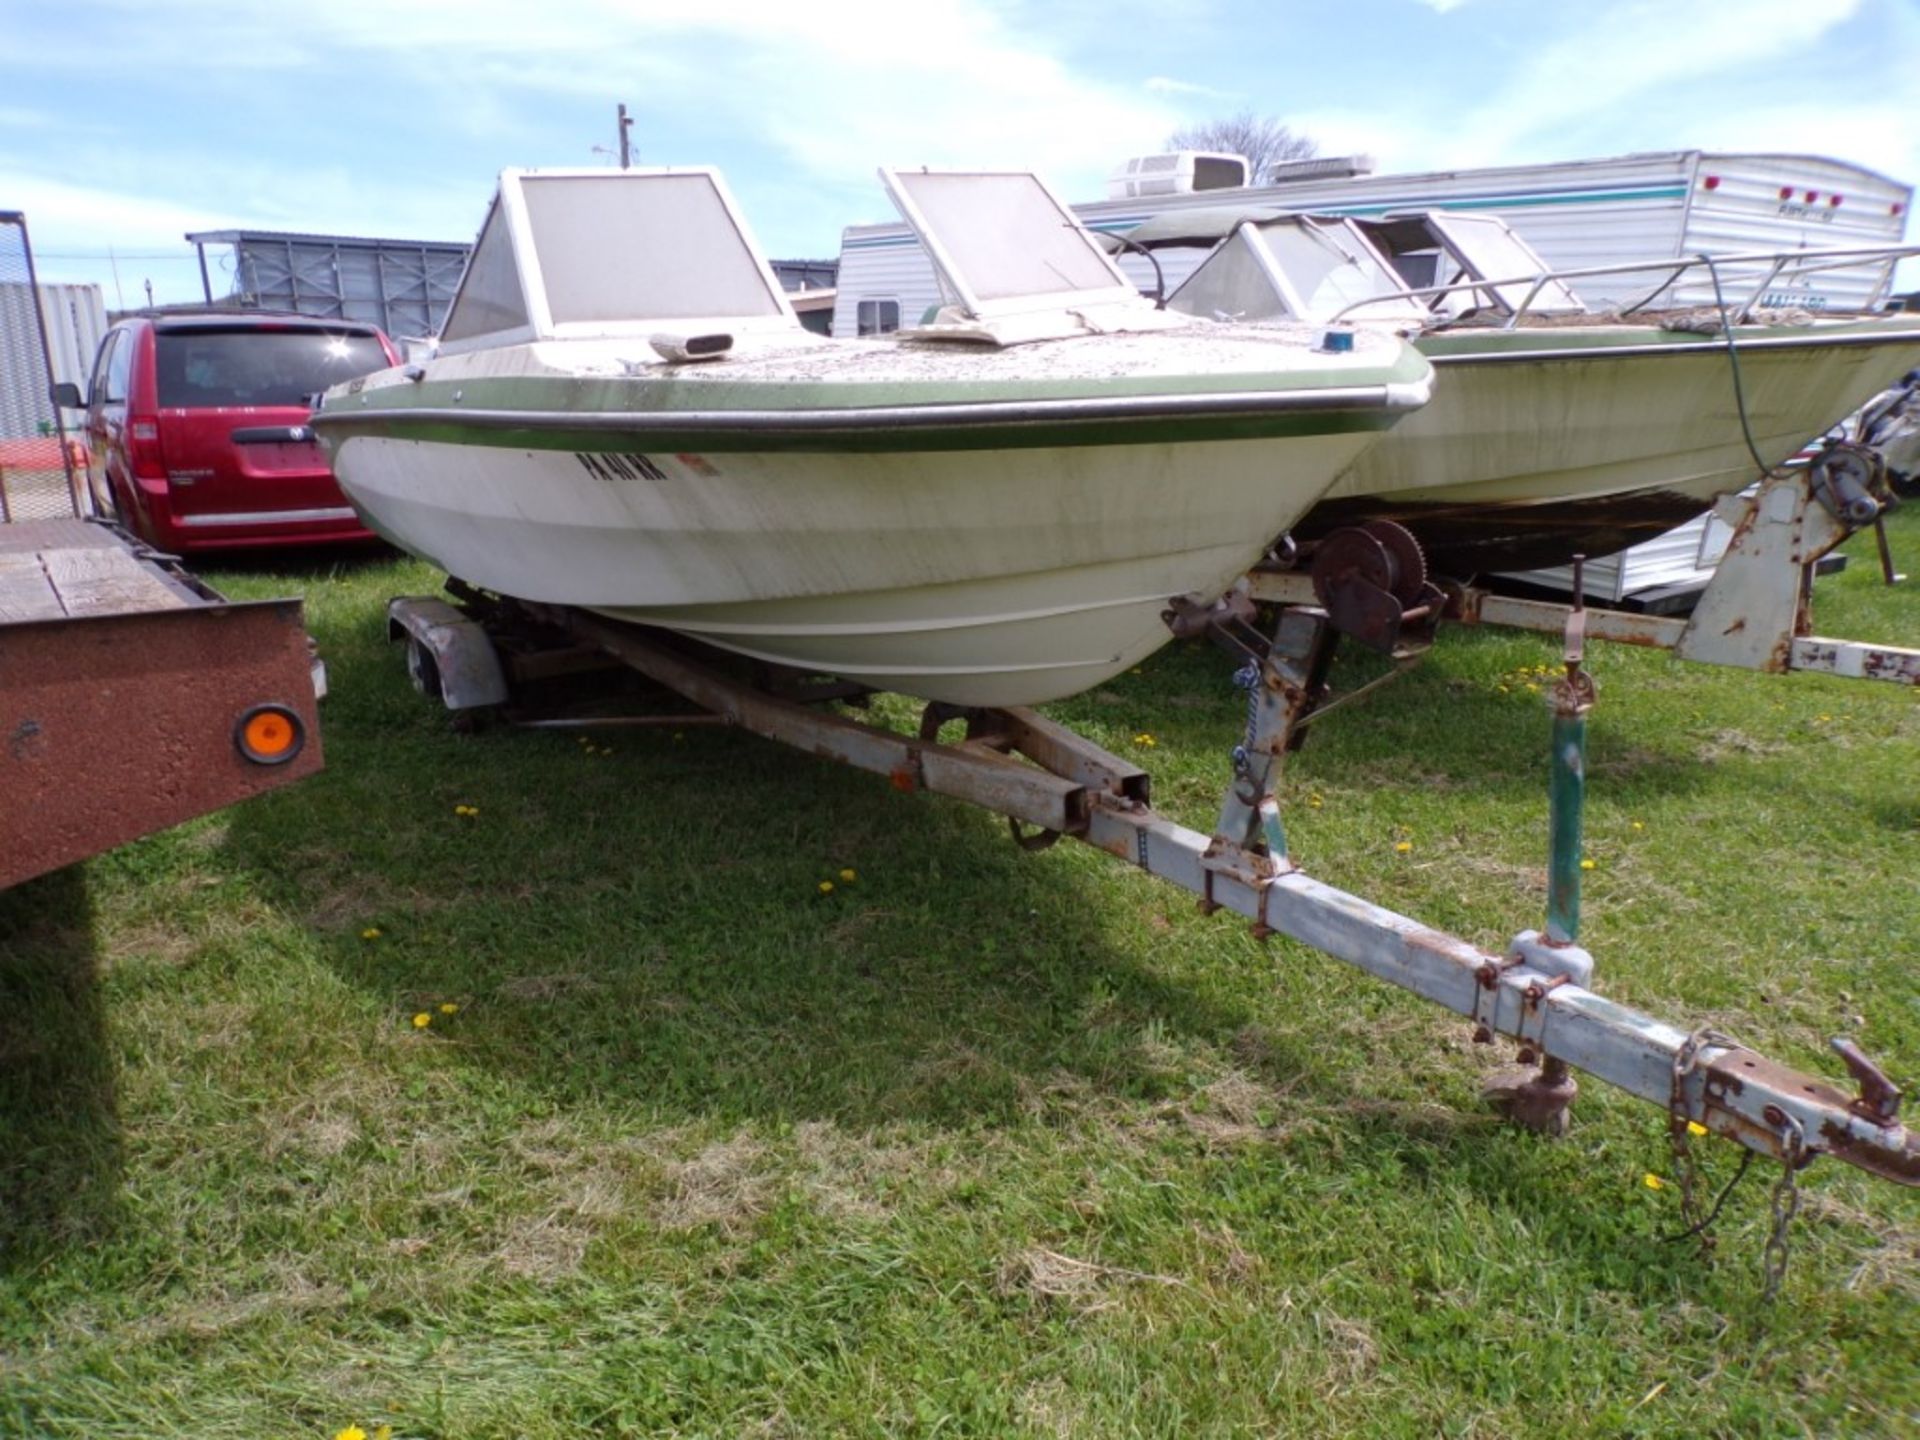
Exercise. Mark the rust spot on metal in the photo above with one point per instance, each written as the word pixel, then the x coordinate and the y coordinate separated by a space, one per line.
pixel 1626 632
pixel 1537 1099
pixel 1897 1160
pixel 1487 974
pixel 1738 1066
pixel 1538 990
pixel 1879 1098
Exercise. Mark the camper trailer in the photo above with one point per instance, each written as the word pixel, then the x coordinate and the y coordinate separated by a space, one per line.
pixel 1577 214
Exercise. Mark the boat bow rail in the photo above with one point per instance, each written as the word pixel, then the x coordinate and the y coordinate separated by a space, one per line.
pixel 1772 267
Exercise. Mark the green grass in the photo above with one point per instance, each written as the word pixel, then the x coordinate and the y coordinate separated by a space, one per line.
pixel 980 1143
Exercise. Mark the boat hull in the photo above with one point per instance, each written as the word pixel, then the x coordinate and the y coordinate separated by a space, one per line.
pixel 980 577
pixel 1540 445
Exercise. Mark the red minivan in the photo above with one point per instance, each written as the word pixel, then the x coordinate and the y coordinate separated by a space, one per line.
pixel 197 427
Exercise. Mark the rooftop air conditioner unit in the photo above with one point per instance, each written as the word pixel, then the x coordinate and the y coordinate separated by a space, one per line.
pixel 1329 167
pixel 1179 172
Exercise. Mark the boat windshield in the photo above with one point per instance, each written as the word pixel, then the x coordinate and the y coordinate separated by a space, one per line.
pixel 1331 266
pixel 1445 247
pixel 664 248
pixel 1001 240
pixel 1303 267
pixel 609 252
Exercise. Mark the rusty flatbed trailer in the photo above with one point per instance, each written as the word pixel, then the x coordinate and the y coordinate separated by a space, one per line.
pixel 132 697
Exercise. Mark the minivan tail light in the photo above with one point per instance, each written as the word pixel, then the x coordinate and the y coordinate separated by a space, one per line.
pixel 143 449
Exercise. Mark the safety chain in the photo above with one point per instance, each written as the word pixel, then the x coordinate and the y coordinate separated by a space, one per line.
pixel 1686 1170
pixel 1786 1203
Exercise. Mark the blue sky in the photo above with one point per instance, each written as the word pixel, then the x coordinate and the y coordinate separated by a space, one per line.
pixel 125 125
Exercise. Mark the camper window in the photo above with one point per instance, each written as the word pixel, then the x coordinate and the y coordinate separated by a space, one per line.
pixel 877 317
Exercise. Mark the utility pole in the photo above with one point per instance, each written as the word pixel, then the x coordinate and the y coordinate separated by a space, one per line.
pixel 626 126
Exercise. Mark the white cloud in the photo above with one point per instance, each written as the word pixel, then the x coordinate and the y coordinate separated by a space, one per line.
pixel 1166 85
pixel 800 103
pixel 1641 51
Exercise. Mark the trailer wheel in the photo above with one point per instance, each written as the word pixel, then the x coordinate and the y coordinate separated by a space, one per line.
pixel 424 670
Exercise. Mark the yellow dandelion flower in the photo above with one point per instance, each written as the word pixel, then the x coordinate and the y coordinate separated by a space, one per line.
pixel 372 932
pixel 1145 740
pixel 1505 690
pixel 1653 1181
pixel 1403 847
pixel 826 887
pixel 447 1007
pixel 352 1432
pixel 1137 671
pixel 422 1020
pixel 1638 826
pixel 1694 1127
pixel 848 876
pixel 1532 689
pixel 1315 801
pixel 1823 718
pixel 1586 864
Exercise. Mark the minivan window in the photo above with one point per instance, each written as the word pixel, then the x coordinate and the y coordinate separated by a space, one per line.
pixel 118 366
pixel 249 365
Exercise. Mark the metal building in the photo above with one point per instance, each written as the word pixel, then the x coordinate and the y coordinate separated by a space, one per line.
pixel 403 286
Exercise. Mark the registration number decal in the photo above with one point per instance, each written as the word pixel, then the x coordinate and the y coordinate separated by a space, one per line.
pixel 612 467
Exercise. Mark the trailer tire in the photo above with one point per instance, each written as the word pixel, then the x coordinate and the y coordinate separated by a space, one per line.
pixel 424 670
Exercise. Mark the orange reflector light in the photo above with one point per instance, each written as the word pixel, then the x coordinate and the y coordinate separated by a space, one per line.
pixel 270 735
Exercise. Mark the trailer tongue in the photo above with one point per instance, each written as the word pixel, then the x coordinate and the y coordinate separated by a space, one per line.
pixel 1050 782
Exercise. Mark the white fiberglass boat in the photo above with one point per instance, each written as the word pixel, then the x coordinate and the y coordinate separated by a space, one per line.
pixel 624 415
pixel 1554 431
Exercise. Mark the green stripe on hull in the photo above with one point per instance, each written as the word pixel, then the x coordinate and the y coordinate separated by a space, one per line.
pixel 556 435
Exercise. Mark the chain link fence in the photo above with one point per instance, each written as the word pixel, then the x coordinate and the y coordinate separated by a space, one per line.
pixel 40 470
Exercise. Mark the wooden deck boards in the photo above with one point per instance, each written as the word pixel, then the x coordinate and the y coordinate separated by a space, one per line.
pixel 61 569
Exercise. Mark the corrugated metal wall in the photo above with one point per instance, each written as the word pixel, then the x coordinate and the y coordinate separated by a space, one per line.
pixel 403 286
pixel 76 322
pixel 37 481
pixel 76 319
